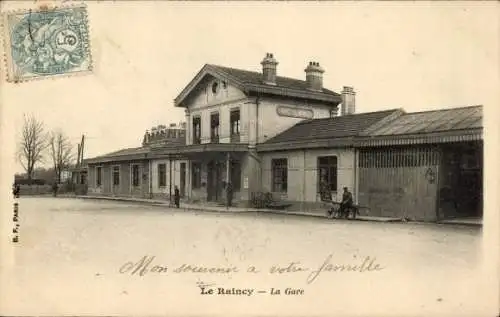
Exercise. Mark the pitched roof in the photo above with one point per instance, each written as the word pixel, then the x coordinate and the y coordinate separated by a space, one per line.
pixel 127 151
pixel 252 77
pixel 251 81
pixel 123 154
pixel 165 144
pixel 331 128
pixel 454 119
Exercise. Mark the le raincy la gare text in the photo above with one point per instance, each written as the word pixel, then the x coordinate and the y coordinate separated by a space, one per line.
pixel 225 291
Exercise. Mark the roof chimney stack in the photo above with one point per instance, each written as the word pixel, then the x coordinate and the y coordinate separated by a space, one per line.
pixel 348 101
pixel 145 139
pixel 269 64
pixel 314 76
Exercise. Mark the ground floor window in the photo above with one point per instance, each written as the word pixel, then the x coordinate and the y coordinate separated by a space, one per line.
pixel 196 174
pixel 327 173
pixel 98 172
pixel 162 175
pixel 279 169
pixel 116 175
pixel 135 175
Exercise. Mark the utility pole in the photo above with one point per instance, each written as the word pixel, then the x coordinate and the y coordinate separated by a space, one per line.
pixel 79 161
pixel 78 158
pixel 82 146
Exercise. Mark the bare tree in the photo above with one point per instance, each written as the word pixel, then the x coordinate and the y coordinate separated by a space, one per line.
pixel 61 151
pixel 32 144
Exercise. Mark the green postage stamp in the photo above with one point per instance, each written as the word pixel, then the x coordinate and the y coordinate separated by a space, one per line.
pixel 46 43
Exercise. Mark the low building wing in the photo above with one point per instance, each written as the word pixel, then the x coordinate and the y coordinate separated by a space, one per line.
pixel 335 131
pixel 437 126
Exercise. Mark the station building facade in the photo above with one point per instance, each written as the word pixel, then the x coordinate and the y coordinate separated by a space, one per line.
pixel 260 132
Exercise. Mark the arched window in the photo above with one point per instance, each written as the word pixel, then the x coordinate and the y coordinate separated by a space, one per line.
pixel 215 87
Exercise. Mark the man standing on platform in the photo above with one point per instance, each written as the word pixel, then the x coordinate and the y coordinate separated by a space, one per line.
pixel 55 187
pixel 229 194
pixel 177 197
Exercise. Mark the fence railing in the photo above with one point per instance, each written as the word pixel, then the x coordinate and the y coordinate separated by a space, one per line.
pixel 65 188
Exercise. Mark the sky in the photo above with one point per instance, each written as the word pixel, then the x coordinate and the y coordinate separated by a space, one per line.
pixel 418 56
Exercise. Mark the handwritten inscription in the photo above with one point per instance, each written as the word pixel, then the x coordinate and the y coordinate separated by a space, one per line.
pixel 367 265
pixel 142 267
pixel 184 268
pixel 147 265
pixel 291 268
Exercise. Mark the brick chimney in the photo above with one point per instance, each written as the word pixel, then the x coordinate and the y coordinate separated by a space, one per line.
pixel 269 64
pixel 348 105
pixel 314 76
pixel 145 140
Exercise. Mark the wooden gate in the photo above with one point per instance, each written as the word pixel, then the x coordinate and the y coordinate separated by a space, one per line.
pixel 399 182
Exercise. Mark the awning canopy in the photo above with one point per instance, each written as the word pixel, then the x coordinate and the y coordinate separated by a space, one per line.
pixel 307 144
pixel 198 150
pixel 213 147
pixel 424 138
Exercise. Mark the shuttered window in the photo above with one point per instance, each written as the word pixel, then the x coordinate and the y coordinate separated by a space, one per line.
pixel 327 172
pixel 162 175
pixel 116 175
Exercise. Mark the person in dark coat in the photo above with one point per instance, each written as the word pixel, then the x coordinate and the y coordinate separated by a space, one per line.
pixel 177 197
pixel 54 189
pixel 229 193
pixel 346 202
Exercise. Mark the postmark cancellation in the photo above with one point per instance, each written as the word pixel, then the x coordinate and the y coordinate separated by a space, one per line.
pixel 46 43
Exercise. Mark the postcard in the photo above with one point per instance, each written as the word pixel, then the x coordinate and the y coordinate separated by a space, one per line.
pixel 176 158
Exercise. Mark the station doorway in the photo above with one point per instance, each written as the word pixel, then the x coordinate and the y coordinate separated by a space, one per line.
pixel 461 181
